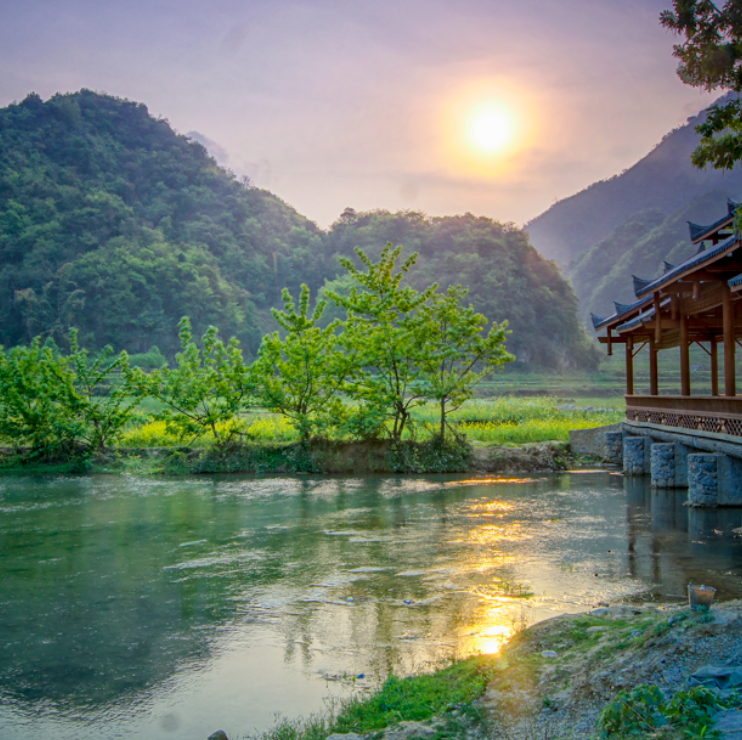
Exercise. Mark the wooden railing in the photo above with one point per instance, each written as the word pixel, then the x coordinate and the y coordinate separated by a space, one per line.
pixel 718 414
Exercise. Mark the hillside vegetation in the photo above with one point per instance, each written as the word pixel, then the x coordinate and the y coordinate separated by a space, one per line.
pixel 112 222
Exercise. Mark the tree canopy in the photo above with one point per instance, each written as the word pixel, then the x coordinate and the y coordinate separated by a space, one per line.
pixel 711 57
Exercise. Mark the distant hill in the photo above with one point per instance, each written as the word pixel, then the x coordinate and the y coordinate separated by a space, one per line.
pixel 112 222
pixel 632 222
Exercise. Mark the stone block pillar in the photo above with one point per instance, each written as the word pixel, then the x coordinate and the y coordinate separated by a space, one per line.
pixel 636 455
pixel 663 465
pixel 614 448
pixel 703 479
pixel 669 465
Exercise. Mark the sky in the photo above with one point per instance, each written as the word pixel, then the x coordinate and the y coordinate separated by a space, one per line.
pixel 484 106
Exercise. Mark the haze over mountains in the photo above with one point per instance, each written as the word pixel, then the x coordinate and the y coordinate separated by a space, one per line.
pixel 113 223
pixel 633 222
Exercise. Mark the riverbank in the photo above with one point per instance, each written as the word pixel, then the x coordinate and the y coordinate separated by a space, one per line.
pixel 320 457
pixel 563 678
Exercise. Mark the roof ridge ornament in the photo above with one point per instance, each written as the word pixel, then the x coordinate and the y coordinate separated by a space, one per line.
pixel 640 284
pixel 732 206
pixel 668 266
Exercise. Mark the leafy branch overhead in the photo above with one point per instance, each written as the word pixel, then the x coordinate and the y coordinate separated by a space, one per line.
pixel 710 57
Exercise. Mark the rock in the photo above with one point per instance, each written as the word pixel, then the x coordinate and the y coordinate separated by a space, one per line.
pixel 345 736
pixel 410 730
pixel 729 723
pixel 595 630
pixel 218 735
pixel 549 654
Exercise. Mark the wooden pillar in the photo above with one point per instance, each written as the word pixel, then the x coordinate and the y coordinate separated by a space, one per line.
pixel 629 365
pixel 657 318
pixel 730 386
pixel 714 367
pixel 684 356
pixel 653 379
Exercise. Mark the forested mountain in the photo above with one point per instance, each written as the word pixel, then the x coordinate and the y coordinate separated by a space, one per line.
pixel 634 221
pixel 112 222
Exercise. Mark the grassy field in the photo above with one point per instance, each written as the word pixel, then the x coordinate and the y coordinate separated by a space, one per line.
pixel 493 421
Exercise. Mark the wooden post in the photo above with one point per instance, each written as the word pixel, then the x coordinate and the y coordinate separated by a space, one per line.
pixel 730 344
pixel 657 318
pixel 610 343
pixel 714 368
pixel 653 379
pixel 629 365
pixel 684 356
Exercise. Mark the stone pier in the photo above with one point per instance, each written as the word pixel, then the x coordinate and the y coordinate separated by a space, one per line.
pixel 713 477
pixel 636 455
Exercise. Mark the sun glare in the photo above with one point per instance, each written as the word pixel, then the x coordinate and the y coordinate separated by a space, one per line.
pixel 491 129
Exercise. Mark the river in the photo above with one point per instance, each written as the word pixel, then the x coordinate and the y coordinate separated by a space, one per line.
pixel 155 609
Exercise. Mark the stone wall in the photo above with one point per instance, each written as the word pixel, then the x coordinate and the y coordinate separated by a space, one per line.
pixel 591 441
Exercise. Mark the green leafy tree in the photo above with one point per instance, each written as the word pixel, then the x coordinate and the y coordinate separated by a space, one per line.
pixel 380 337
pixel 106 401
pixel 63 406
pixel 455 354
pixel 711 57
pixel 302 374
pixel 206 390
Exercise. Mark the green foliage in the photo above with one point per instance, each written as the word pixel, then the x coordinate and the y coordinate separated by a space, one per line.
pixel 455 356
pixel 382 336
pixel 416 698
pixel 206 390
pixel 62 406
pixel 711 57
pixel 644 710
pixel 301 375
pixel 634 713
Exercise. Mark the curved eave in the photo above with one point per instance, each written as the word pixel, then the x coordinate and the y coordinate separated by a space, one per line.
pixel 694 262
pixel 642 318
pixel 617 317
pixel 700 233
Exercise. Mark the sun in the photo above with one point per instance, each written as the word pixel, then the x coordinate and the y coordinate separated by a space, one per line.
pixel 491 129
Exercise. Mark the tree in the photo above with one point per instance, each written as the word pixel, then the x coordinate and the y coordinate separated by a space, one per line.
pixel 206 391
pixel 302 374
pixel 711 58
pixel 380 338
pixel 63 406
pixel 455 354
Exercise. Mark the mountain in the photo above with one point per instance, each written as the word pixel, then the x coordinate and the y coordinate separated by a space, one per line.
pixel 636 219
pixel 112 222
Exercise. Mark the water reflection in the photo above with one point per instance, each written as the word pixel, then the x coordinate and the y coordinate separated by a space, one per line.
pixel 158 605
pixel 671 544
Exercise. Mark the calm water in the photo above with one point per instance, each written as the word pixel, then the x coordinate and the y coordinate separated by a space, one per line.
pixel 162 609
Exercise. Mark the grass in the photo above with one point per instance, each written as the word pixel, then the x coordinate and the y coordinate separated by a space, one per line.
pixel 416 698
pixel 495 421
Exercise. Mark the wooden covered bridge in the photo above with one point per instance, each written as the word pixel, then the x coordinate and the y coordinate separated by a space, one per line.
pixel 696 302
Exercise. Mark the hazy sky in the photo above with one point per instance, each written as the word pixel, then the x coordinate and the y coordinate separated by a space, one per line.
pixel 372 103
